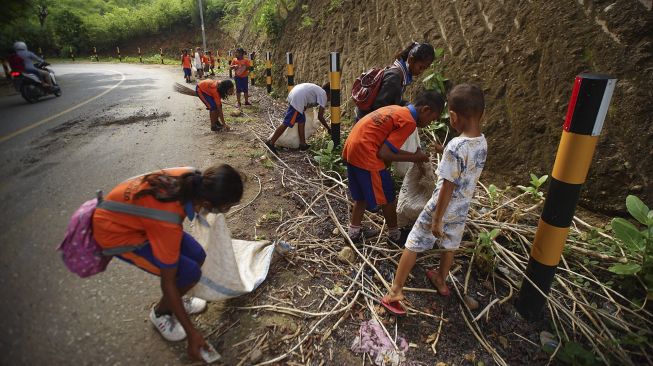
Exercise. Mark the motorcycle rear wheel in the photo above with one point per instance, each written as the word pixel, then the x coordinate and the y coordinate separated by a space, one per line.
pixel 27 95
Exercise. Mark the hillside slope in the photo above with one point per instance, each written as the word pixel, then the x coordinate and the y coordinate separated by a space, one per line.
pixel 525 56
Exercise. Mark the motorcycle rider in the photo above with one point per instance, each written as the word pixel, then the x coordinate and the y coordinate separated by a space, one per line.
pixel 28 59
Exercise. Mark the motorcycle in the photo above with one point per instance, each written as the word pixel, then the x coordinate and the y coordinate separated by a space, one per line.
pixel 30 87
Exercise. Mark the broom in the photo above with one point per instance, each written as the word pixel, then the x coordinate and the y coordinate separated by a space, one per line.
pixel 181 89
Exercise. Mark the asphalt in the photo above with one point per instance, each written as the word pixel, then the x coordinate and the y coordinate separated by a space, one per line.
pixel 50 316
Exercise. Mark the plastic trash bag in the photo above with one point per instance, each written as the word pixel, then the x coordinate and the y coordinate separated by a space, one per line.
pixel 411 145
pixel 290 137
pixel 232 267
pixel 416 190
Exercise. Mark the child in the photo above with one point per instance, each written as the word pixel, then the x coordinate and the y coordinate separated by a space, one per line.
pixel 205 62
pixel 443 218
pixel 240 65
pixel 302 96
pixel 198 63
pixel 211 63
pixel 167 251
pixel 185 64
pixel 211 93
pixel 373 143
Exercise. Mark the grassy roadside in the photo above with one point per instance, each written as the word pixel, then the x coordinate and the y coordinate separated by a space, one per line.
pixel 146 60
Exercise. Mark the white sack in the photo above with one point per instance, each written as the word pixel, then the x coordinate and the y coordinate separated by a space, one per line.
pixel 232 267
pixel 290 137
pixel 416 190
pixel 411 145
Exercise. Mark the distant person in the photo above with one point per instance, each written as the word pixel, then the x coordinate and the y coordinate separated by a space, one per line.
pixel 29 58
pixel 205 63
pixel 211 63
pixel 199 69
pixel 301 97
pixel 211 93
pixel 240 66
pixel 186 65
pixel 442 220
pixel 372 144
pixel 166 250
pixel 408 64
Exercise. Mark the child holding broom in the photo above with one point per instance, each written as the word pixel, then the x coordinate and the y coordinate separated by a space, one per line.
pixel 211 93
pixel 443 218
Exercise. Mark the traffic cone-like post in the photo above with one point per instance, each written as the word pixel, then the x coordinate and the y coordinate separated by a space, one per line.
pixel 161 54
pixel 268 72
pixel 118 51
pixel 140 56
pixel 95 54
pixel 588 106
pixel 252 75
pixel 334 80
pixel 231 73
pixel 290 71
pixel 72 55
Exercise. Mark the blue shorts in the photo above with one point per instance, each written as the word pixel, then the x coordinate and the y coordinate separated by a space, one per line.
pixel 187 72
pixel 375 188
pixel 208 100
pixel 189 266
pixel 241 84
pixel 292 117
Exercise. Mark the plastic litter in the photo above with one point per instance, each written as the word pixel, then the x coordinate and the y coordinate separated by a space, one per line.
pixel 372 339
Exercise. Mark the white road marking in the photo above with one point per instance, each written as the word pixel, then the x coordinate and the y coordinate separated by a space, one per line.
pixel 48 119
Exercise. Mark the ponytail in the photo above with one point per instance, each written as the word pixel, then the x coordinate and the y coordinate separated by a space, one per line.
pixel 167 188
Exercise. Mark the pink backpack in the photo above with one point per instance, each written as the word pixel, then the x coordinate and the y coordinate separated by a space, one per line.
pixel 79 250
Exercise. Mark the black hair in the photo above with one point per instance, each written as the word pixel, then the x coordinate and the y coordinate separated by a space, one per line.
pixel 223 88
pixel 430 98
pixel 420 52
pixel 219 185
pixel 241 50
pixel 327 87
pixel 466 100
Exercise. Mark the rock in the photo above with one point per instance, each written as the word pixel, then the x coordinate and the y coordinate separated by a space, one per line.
pixel 256 356
pixel 471 302
pixel 335 231
pixel 636 188
pixel 548 341
pixel 347 255
pixel 236 113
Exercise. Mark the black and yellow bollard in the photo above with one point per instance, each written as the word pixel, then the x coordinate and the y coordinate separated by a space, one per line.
pixel 95 54
pixel 140 56
pixel 334 80
pixel 231 73
pixel 118 52
pixel 72 55
pixel 252 75
pixel 290 71
pixel 588 107
pixel 41 53
pixel 161 54
pixel 268 72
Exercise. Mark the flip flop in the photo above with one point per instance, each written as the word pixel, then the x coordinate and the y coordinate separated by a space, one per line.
pixel 394 307
pixel 430 273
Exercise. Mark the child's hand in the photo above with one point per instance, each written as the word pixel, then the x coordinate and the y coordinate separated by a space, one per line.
pixel 438 148
pixel 420 157
pixel 437 228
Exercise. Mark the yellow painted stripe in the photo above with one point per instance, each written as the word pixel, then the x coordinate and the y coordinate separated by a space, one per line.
pixel 291 69
pixel 335 115
pixel 574 157
pixel 268 79
pixel 48 119
pixel 548 244
pixel 335 80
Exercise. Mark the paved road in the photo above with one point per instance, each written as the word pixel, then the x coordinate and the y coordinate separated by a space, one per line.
pixel 51 317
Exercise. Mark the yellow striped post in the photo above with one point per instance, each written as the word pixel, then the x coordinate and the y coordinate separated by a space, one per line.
pixel 290 71
pixel 268 72
pixel 72 55
pixel 588 106
pixel 334 80
pixel 41 53
pixel 140 56
pixel 252 75
pixel 231 72
pixel 118 51
pixel 161 54
pixel 95 54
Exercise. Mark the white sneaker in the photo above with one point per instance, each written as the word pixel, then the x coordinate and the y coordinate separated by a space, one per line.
pixel 193 305
pixel 168 326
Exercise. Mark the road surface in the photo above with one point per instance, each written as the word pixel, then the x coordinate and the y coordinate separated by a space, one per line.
pixel 55 154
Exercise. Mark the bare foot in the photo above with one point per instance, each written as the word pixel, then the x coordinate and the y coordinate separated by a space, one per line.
pixel 438 282
pixel 391 297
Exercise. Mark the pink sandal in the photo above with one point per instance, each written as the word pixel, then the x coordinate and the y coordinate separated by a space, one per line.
pixel 394 307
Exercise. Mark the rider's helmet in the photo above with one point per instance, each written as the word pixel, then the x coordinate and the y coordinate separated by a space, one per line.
pixel 20 46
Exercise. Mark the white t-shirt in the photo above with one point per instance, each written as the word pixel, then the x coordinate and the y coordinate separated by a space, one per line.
pixel 198 61
pixel 307 95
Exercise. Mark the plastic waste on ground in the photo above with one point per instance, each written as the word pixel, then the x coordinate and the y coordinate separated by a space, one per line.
pixel 372 339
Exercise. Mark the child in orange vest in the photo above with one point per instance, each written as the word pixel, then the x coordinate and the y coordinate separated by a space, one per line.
pixel 186 65
pixel 240 65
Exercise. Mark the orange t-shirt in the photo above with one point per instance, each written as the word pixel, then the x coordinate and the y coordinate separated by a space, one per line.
pixel 114 229
pixel 242 67
pixel 185 61
pixel 391 125
pixel 205 59
pixel 210 87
